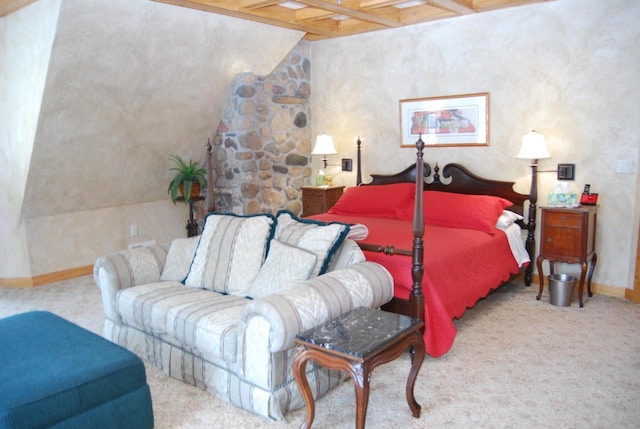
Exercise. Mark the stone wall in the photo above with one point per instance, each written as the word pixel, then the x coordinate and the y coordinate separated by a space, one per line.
pixel 263 143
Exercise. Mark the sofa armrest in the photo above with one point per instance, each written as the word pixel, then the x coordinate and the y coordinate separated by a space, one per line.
pixel 127 268
pixel 313 302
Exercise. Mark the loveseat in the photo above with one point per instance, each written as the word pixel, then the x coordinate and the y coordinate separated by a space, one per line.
pixel 220 311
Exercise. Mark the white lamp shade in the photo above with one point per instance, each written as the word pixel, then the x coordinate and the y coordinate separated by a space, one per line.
pixel 324 145
pixel 533 147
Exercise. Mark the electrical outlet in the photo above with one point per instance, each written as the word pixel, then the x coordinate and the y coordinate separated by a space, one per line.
pixel 133 229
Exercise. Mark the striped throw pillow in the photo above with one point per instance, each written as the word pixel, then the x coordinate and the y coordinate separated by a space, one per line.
pixel 230 253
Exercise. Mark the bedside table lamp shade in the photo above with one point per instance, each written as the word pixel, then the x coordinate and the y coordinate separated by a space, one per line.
pixel 324 146
pixel 533 147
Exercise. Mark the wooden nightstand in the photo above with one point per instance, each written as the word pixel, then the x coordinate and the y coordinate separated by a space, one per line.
pixel 568 235
pixel 319 199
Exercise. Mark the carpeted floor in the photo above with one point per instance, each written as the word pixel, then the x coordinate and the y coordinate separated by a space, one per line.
pixel 516 363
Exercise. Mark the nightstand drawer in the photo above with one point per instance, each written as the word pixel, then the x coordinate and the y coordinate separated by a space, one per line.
pixel 563 220
pixel 313 193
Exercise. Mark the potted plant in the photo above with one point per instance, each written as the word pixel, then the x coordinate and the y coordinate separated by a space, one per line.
pixel 189 179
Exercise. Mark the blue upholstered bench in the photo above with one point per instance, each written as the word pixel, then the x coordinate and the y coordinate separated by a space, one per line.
pixel 54 373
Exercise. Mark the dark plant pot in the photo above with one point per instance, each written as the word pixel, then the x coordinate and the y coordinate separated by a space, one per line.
pixel 195 191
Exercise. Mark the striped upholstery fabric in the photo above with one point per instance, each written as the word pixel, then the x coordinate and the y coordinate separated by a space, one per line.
pixel 230 252
pixel 208 327
pixel 125 269
pixel 239 349
pixel 145 307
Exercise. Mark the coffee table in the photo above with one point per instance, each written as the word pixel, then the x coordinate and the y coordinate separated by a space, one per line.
pixel 357 342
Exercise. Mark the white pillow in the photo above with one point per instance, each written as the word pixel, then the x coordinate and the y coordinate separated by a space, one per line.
pixel 323 239
pixel 349 253
pixel 507 218
pixel 179 258
pixel 284 264
pixel 230 253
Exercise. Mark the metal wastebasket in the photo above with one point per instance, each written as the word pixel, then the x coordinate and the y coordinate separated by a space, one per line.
pixel 561 288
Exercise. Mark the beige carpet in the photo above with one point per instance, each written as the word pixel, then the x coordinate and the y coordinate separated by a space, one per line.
pixel 516 363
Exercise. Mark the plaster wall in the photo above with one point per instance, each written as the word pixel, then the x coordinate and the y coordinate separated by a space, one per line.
pixel 26 39
pixel 567 69
pixel 128 83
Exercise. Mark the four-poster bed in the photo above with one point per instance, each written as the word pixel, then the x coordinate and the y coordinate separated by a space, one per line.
pixel 444 252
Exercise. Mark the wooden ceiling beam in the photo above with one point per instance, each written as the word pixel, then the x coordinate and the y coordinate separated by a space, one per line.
pixel 249 16
pixel 460 7
pixel 353 13
pixel 9 6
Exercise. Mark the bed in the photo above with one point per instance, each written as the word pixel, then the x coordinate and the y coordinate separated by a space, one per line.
pixel 448 240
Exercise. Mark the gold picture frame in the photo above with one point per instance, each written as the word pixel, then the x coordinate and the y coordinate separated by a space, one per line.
pixel 452 120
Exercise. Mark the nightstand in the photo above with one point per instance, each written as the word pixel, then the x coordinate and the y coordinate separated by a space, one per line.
pixel 319 199
pixel 568 235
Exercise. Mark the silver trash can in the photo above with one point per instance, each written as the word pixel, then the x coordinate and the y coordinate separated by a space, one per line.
pixel 561 288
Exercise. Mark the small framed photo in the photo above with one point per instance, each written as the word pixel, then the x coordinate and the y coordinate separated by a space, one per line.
pixel 452 120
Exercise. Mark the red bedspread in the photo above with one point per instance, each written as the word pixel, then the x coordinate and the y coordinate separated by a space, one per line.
pixel 461 266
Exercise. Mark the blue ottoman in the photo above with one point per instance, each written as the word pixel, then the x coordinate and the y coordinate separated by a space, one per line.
pixel 56 374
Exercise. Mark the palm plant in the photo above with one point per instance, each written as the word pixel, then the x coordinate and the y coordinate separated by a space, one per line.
pixel 187 175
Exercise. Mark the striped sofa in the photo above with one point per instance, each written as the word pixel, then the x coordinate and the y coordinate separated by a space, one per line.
pixel 220 311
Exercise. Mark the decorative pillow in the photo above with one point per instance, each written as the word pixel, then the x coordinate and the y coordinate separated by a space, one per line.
pixel 231 251
pixel 284 264
pixel 479 212
pixel 179 258
pixel 323 239
pixel 348 253
pixel 388 201
pixel 507 218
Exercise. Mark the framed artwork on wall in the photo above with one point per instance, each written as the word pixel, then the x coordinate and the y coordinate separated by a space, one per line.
pixel 452 120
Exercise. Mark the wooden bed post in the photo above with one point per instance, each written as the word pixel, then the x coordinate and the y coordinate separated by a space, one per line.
pixel 359 165
pixel 211 199
pixel 416 300
pixel 530 243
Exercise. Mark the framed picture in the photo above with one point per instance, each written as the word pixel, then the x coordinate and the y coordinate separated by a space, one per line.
pixel 453 120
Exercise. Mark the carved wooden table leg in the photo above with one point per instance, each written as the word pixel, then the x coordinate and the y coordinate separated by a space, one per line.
pixel 416 362
pixel 299 373
pixel 321 345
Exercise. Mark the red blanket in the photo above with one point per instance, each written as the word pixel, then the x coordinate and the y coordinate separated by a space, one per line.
pixel 461 266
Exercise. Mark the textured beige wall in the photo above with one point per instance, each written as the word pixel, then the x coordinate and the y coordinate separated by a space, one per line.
pixel 25 48
pixel 128 83
pixel 568 69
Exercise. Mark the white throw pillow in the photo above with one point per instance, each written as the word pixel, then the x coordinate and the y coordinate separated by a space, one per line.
pixel 323 239
pixel 230 253
pixel 284 264
pixel 179 258
pixel 507 218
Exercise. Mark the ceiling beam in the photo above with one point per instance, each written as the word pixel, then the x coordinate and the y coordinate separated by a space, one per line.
pixel 457 6
pixel 9 6
pixel 357 14
pixel 249 16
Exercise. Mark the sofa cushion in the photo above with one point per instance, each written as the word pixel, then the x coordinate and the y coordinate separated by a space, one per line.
pixel 179 258
pixel 207 327
pixel 284 264
pixel 323 239
pixel 230 252
pixel 145 307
